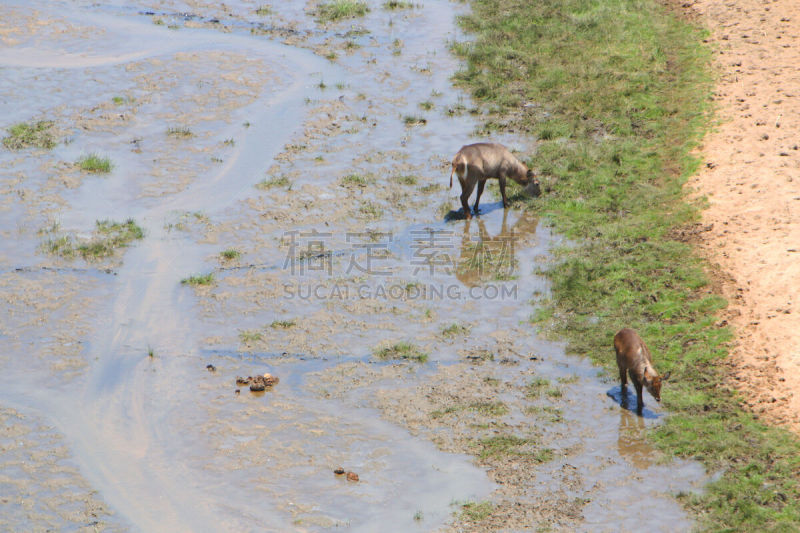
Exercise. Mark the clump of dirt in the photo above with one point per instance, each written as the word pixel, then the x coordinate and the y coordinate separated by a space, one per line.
pixel 258 383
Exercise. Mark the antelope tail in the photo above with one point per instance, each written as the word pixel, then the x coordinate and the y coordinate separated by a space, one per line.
pixel 459 167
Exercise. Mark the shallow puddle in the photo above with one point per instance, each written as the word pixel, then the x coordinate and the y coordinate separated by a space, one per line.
pixel 320 156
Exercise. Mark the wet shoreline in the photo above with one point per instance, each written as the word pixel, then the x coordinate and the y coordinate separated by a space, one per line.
pixel 169 445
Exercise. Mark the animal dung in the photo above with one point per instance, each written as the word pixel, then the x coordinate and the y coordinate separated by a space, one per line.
pixel 258 383
pixel 351 476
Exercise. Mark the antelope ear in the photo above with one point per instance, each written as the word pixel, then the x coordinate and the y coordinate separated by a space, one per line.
pixel 645 381
pixel 665 377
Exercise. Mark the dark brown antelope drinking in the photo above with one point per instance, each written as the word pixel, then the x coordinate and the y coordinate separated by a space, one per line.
pixel 475 163
pixel 634 360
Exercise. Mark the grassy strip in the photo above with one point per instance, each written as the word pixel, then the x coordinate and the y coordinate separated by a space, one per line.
pixel 617 93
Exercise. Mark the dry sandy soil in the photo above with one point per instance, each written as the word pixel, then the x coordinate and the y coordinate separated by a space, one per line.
pixel 752 183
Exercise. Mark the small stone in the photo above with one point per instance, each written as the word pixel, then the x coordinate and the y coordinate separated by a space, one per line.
pixel 339 471
pixel 211 368
pixel 352 476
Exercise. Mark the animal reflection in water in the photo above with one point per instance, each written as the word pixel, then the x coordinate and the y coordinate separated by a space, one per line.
pixel 631 441
pixel 485 257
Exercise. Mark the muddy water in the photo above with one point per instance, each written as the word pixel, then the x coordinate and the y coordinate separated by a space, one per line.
pixel 110 356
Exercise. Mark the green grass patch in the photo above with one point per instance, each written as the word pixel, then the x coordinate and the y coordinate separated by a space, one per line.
pixel 248 336
pixel 430 188
pixel 493 409
pixel 199 280
pixel 108 237
pixel 537 387
pixel 282 324
pixel 412 120
pixel 230 254
pixel 369 210
pixel 408 179
pixel 354 180
pixel 401 350
pixel 61 246
pixel 334 10
pixel 548 413
pixel 179 132
pixel 24 135
pixel 120 233
pixel 455 330
pixel 274 181
pixel 439 413
pixel 391 5
pixel 476 511
pixel 620 91
pixel 95 164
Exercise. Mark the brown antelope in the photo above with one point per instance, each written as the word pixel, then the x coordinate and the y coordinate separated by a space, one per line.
pixel 634 359
pixel 475 163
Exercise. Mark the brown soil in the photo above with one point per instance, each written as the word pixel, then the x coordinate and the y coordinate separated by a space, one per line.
pixel 750 178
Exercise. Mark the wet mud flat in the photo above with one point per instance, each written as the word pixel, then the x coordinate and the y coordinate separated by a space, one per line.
pixel 289 176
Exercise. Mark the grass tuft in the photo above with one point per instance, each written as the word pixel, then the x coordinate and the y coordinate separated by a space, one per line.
pixel 455 330
pixel 24 135
pixel 334 10
pixel 369 210
pixel 230 254
pixel 401 350
pixel 354 180
pixel 248 336
pixel 476 511
pixel 199 280
pixel 95 164
pixel 109 236
pixel 494 409
pixel 391 5
pixel 411 120
pixel 179 132
pixel 275 181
